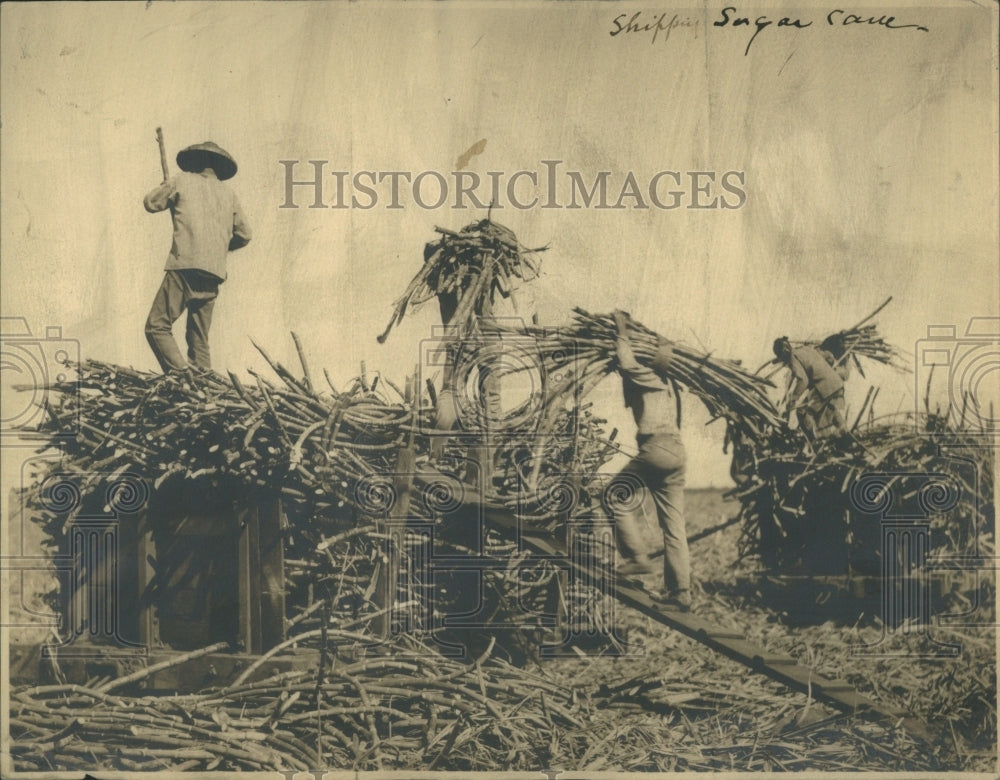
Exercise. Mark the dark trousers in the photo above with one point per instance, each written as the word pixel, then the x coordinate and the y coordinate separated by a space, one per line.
pixel 821 418
pixel 189 289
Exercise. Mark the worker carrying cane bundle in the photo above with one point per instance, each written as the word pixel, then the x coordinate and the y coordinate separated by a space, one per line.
pixel 208 223
pixel 657 471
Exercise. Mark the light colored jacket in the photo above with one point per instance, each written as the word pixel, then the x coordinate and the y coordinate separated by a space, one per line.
pixel 208 221
pixel 813 373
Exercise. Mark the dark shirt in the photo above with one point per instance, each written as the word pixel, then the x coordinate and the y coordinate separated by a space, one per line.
pixel 649 397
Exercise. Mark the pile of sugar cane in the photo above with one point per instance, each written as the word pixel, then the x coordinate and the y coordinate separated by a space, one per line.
pixel 471 267
pixel 792 498
pixel 577 356
pixel 332 457
pixel 667 708
pixel 414 709
pixel 411 708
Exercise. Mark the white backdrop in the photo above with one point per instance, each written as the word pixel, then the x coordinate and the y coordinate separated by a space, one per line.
pixel 870 158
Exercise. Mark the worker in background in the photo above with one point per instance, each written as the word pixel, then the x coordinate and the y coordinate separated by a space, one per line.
pixel 834 349
pixel 208 223
pixel 817 393
pixel 657 471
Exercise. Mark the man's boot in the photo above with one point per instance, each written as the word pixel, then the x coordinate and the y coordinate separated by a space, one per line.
pixel 679 600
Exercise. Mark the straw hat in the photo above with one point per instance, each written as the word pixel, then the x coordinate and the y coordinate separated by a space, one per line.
pixel 199 156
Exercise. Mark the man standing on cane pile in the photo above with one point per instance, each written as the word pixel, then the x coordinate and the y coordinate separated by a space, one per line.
pixel 658 469
pixel 818 392
pixel 208 223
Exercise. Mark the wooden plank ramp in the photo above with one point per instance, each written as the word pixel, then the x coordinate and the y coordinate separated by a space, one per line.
pixel 837 693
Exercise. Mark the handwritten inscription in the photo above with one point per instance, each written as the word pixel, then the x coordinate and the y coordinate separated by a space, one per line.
pixel 761 23
pixel 835 18
pixel 658 26
pixel 653 25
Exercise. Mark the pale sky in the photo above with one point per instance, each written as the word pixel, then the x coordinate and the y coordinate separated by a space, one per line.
pixel 869 156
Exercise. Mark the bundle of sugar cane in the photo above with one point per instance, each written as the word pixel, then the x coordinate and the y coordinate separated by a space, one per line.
pixel 862 340
pixel 576 357
pixel 470 268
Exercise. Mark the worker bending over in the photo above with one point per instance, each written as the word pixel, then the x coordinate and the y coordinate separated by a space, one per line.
pixel 817 394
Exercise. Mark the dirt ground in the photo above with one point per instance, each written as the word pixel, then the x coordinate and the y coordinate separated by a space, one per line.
pixel 665 702
pixel 680 706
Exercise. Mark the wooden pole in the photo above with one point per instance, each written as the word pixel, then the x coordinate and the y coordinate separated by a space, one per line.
pixel 163 153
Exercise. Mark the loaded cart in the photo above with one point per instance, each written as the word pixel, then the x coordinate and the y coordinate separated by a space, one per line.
pixel 340 576
pixel 147 584
pixel 886 519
